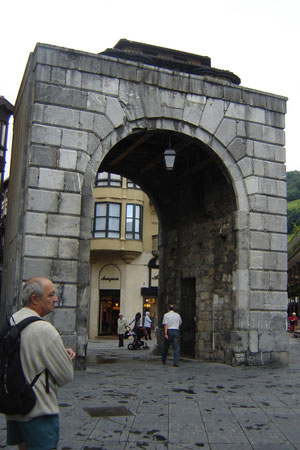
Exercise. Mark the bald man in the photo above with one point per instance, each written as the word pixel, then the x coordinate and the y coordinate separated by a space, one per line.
pixel 42 351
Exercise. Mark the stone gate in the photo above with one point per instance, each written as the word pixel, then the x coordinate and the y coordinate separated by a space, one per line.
pixel 222 209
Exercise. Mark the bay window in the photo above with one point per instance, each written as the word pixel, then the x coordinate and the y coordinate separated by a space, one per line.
pixel 107 222
pixel 133 221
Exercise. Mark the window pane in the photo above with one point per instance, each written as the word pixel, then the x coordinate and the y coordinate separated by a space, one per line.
pixel 129 211
pixel 129 225
pixel 101 179
pixel 3 133
pixel 114 235
pixel 100 224
pixel 108 179
pixel 100 209
pixel 133 221
pixel 107 220
pixel 115 177
pixel 113 224
pixel 114 209
pixel 102 175
pixel 131 184
pixel 99 234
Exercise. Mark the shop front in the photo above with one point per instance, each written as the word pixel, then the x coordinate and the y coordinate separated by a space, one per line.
pixel 109 300
pixel 109 312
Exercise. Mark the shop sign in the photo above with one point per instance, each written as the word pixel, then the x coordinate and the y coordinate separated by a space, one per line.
pixel 110 277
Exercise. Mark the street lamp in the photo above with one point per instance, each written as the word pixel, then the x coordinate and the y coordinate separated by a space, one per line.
pixel 169 156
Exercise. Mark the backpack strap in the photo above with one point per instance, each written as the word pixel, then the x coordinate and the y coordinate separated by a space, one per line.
pixel 35 379
pixel 21 325
pixel 46 378
pixel 9 318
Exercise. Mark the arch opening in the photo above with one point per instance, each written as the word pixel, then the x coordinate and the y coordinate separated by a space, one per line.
pixel 195 204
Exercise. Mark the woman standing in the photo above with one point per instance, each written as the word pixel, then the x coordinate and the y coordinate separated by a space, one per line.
pixel 147 324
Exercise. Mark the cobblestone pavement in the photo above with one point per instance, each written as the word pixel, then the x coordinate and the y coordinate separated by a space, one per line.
pixel 129 400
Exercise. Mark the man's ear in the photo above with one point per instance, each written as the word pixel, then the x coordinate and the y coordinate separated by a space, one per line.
pixel 33 299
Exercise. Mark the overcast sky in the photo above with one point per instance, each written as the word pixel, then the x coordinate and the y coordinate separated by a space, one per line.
pixel 258 40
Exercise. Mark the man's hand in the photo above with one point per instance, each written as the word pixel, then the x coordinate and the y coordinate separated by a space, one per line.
pixel 71 353
pixel 166 331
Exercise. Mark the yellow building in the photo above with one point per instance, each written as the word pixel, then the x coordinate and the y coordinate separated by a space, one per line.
pixel 123 263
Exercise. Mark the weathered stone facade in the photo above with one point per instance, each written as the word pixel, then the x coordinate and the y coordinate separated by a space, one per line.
pixel 222 212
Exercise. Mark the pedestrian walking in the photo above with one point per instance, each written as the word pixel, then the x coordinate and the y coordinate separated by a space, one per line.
pixel 42 352
pixel 171 323
pixel 147 324
pixel 138 328
pixel 293 321
pixel 122 325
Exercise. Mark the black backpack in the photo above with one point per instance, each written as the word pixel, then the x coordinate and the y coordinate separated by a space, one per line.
pixel 16 393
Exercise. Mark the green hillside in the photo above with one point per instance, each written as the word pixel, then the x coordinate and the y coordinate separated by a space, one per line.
pixel 293 185
pixel 293 197
pixel 294 204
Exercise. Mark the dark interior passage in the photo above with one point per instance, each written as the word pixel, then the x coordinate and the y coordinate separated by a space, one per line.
pixel 195 203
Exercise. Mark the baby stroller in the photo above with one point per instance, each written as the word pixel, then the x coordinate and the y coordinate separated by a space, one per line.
pixel 137 343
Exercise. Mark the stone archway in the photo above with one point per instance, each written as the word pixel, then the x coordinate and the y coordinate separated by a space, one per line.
pixel 218 252
pixel 76 110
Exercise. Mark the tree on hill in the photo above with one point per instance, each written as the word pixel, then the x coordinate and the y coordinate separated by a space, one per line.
pixel 293 185
pixel 293 216
pixel 293 193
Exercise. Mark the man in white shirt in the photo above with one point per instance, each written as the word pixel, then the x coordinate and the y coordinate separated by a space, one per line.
pixel 171 322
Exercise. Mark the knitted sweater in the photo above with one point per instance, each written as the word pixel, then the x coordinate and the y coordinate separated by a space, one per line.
pixel 41 348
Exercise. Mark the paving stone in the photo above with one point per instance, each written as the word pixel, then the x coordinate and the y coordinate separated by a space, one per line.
pixel 198 405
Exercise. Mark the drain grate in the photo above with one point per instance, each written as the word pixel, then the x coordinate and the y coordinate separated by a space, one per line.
pixel 97 359
pixel 107 411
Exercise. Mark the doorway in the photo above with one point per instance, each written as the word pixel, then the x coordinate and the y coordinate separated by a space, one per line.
pixel 109 312
pixel 150 305
pixel 188 315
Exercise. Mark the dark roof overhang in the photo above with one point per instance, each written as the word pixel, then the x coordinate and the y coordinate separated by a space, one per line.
pixel 168 59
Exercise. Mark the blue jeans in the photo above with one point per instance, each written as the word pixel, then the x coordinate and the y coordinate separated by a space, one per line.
pixel 173 338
